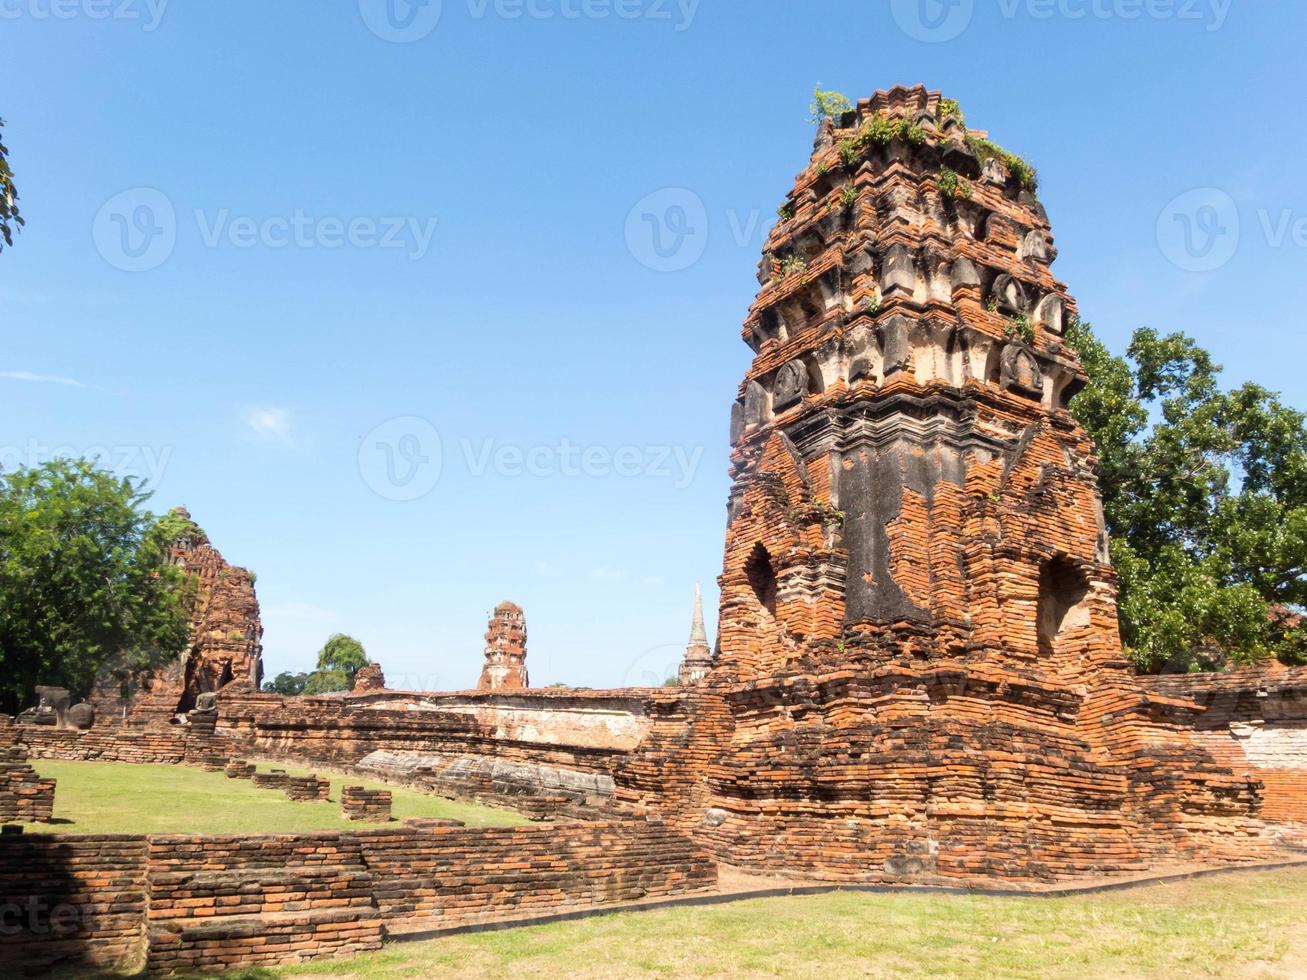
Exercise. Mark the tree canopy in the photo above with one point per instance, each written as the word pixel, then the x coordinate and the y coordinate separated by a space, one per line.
pixel 84 580
pixel 340 658
pixel 1205 496
pixel 10 219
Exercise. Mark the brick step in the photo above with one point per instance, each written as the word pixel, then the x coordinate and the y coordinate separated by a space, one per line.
pixel 208 944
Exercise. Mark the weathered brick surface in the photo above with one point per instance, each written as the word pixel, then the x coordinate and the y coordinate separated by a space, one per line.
pixel 307 788
pixel 370 805
pixel 239 769
pixel 186 903
pixel 505 668
pixel 71 900
pixel 465 875
pixel 226 641
pixel 24 796
pixel 273 779
pixel 1254 722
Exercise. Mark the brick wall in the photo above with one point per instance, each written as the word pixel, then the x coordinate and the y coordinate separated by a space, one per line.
pixel 1254 722
pixel 186 903
pixel 71 900
pixel 463 874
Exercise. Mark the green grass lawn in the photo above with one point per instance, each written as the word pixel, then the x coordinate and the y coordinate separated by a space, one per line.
pixel 1245 925
pixel 116 798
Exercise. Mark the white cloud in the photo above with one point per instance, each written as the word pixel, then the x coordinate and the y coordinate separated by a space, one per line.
pixel 47 379
pixel 546 570
pixel 269 423
pixel 652 580
pixel 605 574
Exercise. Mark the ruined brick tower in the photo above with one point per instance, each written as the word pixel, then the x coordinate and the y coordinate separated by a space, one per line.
pixel 918 636
pixel 505 668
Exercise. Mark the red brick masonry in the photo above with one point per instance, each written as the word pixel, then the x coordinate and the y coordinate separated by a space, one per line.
pixel 186 903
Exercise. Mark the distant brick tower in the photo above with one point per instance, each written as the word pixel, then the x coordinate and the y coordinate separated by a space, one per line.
pixel 698 654
pixel 918 638
pixel 505 668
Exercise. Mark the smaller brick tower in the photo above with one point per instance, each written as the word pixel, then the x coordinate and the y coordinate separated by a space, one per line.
pixel 698 655
pixel 505 668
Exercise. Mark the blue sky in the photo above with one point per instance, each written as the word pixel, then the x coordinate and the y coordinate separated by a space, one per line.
pixel 415 257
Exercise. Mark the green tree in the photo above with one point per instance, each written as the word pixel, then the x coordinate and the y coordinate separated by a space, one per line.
pixel 9 216
pixel 340 658
pixel 1205 496
pixel 287 683
pixel 84 581
pixel 824 105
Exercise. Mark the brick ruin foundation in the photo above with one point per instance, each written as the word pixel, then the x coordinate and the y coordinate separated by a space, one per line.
pixel 24 796
pixel 917 676
pixel 202 903
pixel 368 805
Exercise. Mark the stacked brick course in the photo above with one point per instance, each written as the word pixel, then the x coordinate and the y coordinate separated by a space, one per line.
pixel 240 769
pixel 183 903
pixel 307 788
pixel 370 805
pixel 273 779
pixel 24 796
pixel 71 900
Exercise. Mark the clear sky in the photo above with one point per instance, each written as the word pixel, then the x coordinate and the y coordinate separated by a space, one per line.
pixel 421 308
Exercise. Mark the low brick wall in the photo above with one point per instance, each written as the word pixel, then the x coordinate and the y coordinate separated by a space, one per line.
pixel 463 875
pixel 110 744
pixel 273 779
pixel 239 769
pixel 308 788
pixel 184 903
pixel 371 805
pixel 24 796
pixel 71 899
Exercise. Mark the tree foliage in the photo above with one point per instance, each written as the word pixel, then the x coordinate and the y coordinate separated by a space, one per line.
pixel 84 580
pixel 340 658
pixel 825 105
pixel 10 219
pixel 1205 496
pixel 287 683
